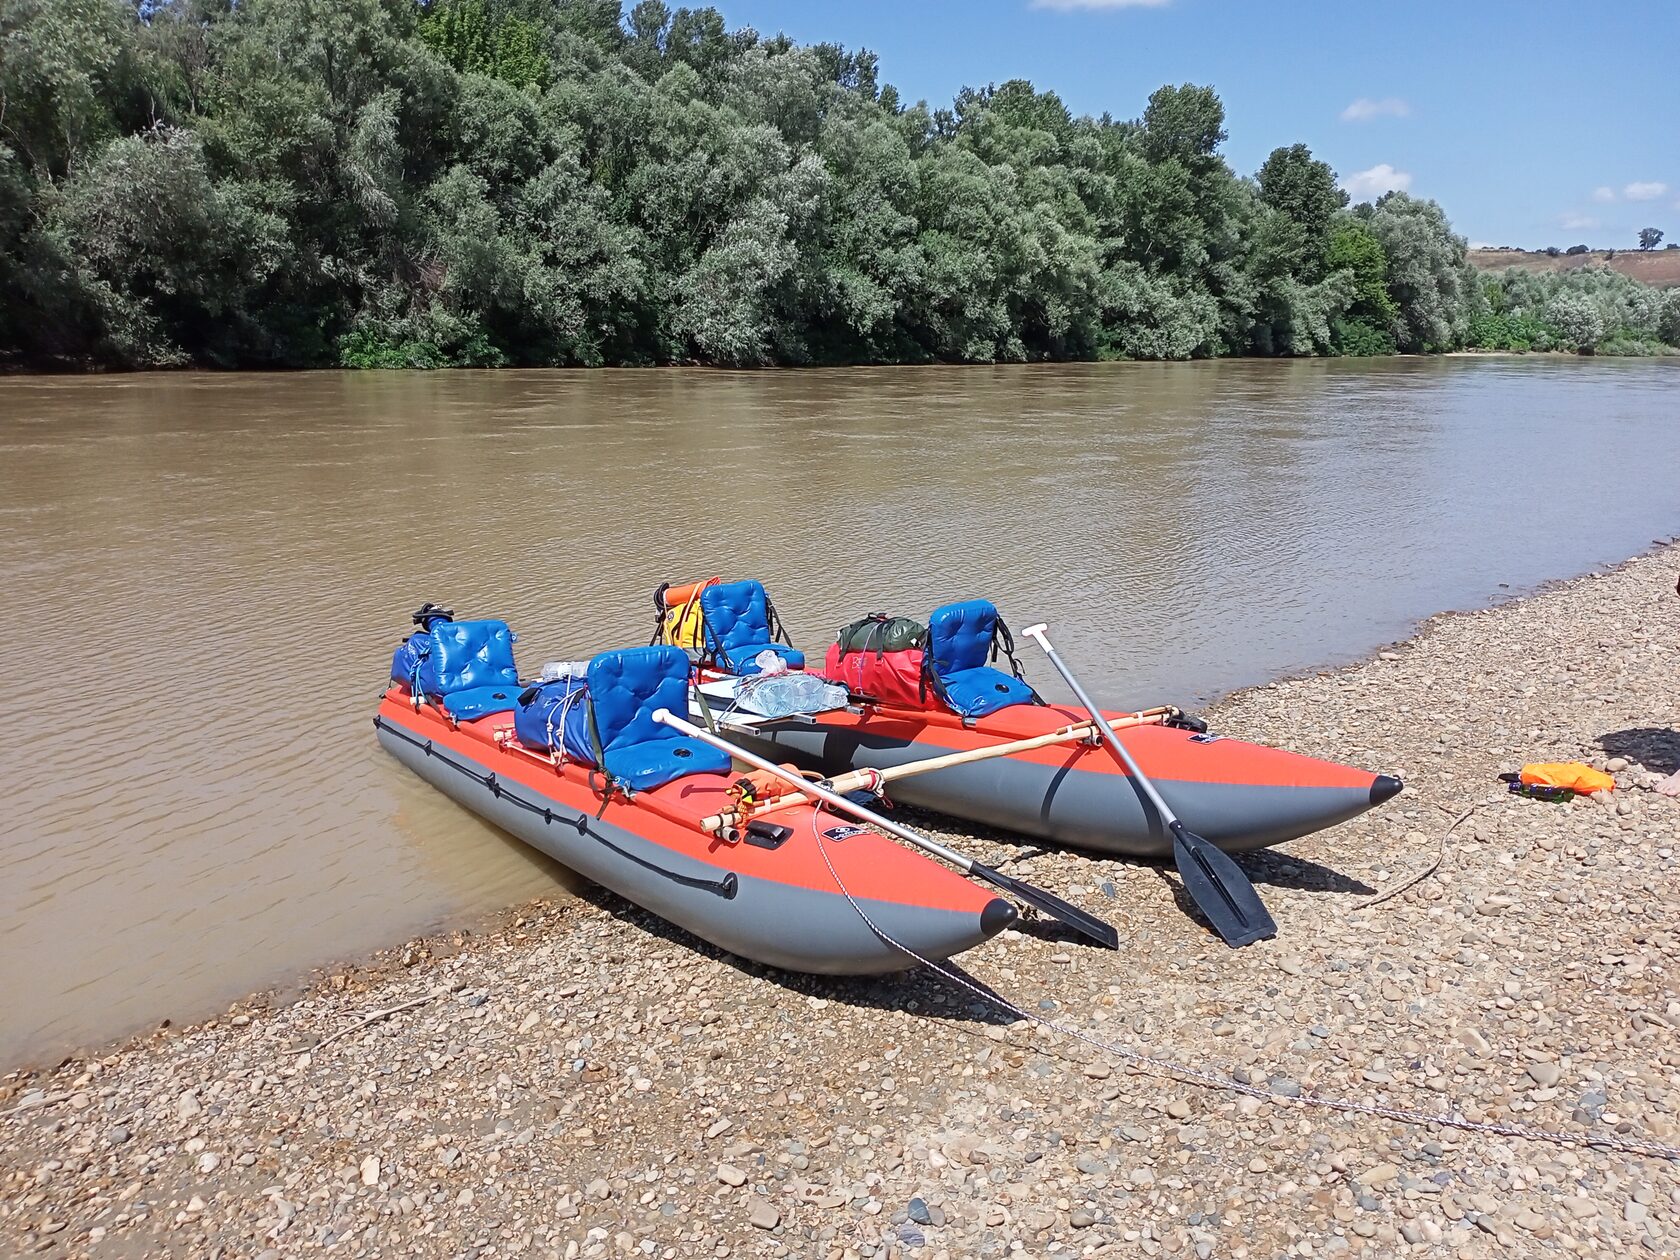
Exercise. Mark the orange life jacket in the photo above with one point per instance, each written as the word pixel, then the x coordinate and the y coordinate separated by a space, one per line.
pixel 680 623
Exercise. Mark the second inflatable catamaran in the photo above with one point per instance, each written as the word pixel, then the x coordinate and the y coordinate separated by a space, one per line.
pixel 928 714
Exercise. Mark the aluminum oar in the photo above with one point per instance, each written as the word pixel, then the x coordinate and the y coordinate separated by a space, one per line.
pixel 1213 881
pixel 1052 905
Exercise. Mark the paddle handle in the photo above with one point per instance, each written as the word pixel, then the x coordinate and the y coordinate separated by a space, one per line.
pixel 805 786
pixel 1039 632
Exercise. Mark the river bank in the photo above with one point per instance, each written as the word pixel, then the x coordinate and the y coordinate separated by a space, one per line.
pixel 292 840
pixel 583 1080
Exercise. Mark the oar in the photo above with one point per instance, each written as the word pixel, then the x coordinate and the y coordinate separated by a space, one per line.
pixel 1049 903
pixel 1214 882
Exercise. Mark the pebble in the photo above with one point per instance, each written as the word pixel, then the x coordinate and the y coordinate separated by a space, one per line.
pixel 731 1175
pixel 763 1216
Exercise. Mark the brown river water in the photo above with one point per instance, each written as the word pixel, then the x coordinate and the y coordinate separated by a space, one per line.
pixel 205 576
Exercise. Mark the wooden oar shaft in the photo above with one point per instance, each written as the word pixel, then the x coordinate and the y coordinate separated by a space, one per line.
pixel 1078 733
pixel 853 780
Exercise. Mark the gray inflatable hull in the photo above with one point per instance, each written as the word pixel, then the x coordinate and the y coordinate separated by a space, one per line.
pixel 782 925
pixel 1084 809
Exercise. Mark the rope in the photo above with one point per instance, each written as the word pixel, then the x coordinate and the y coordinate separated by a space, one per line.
pixel 557 747
pixel 1426 872
pixel 1151 1065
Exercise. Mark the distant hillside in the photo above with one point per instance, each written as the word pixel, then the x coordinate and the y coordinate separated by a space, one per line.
pixel 1660 267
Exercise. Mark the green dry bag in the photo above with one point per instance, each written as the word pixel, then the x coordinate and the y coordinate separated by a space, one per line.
pixel 880 634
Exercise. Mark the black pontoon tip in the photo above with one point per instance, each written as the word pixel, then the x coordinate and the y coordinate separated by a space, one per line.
pixel 1384 787
pixel 997 915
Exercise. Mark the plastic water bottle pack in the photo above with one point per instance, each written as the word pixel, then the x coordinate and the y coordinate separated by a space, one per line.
pixel 787 693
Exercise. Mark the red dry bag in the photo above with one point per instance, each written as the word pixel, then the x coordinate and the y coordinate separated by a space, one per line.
pixel 893 678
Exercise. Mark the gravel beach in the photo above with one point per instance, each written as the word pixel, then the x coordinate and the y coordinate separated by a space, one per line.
pixel 578 1079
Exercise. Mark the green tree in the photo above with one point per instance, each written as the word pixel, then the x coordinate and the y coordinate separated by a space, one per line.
pixel 1303 190
pixel 1650 238
pixel 1579 324
pixel 1184 124
pixel 462 33
pixel 437 182
pixel 1366 326
pixel 1668 318
pixel 1428 279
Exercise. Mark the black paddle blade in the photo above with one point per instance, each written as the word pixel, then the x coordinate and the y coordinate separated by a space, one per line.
pixel 1089 925
pixel 1220 890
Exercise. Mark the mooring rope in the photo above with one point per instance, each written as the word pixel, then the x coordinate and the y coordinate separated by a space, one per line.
pixel 1152 1065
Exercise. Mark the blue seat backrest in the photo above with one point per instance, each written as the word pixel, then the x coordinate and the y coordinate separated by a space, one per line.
pixel 736 614
pixel 627 686
pixel 468 654
pixel 960 635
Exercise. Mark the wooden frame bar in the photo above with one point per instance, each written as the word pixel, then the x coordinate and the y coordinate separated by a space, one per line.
pixel 853 780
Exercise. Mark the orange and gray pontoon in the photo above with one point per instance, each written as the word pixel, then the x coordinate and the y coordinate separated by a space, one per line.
pixel 983 746
pixel 579 770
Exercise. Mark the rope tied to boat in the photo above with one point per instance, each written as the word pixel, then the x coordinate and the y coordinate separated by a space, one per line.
pixel 1155 1066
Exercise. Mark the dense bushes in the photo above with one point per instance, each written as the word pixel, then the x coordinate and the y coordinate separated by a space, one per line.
pixel 477 182
pixel 1591 310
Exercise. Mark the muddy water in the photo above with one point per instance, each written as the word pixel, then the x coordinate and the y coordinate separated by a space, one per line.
pixel 205 576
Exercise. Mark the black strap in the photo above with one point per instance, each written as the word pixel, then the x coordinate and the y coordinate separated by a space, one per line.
pixel 726 887
pixel 610 783
pixel 709 643
pixel 659 614
pixel 778 632
pixel 1001 634
pixel 879 630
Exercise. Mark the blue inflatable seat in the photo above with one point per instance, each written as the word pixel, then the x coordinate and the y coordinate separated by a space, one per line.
pixel 960 637
pixel 468 668
pixel 626 688
pixel 736 621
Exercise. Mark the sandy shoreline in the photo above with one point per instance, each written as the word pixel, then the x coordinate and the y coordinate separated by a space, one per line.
pixel 587 1081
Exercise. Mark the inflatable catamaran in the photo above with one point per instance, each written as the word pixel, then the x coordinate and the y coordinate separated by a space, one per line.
pixel 625 769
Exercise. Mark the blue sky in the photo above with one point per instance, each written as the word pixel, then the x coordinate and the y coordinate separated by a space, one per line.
pixel 1535 123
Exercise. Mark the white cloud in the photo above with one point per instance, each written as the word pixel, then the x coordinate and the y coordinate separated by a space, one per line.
pixel 1646 191
pixel 1365 109
pixel 1066 5
pixel 1604 193
pixel 1577 220
pixel 1368 185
